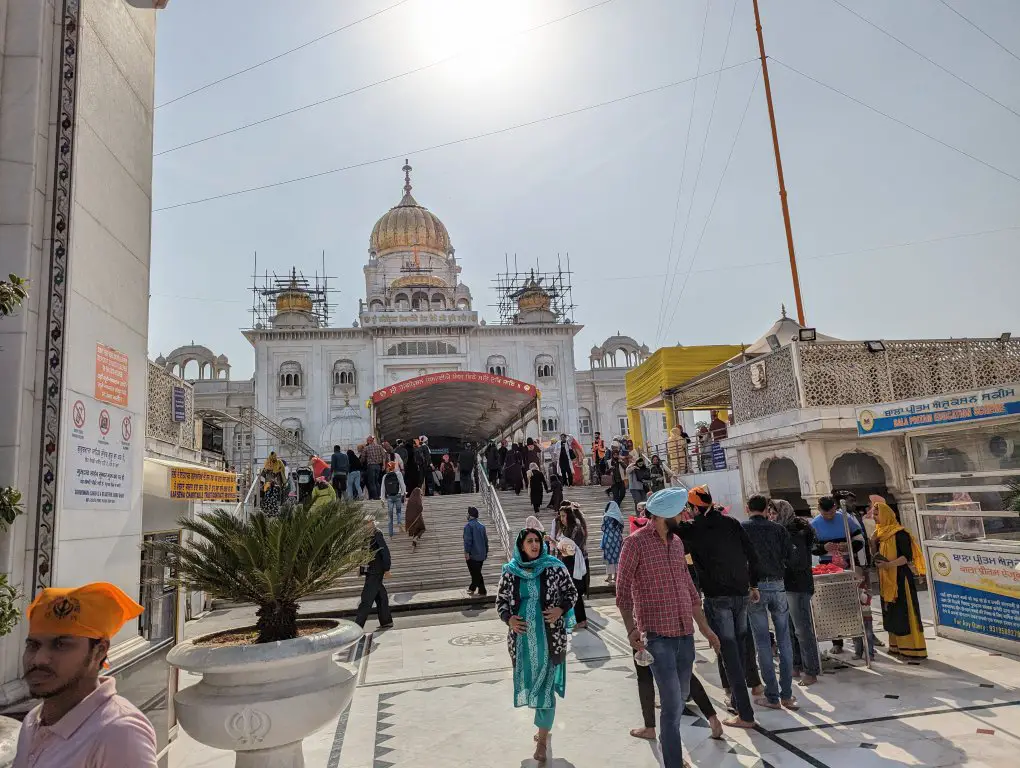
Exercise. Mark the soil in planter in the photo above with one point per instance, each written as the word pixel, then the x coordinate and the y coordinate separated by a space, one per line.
pixel 248 635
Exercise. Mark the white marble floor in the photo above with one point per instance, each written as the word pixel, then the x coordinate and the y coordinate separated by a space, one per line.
pixel 436 691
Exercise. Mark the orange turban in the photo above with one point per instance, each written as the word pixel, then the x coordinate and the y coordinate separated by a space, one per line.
pixel 96 610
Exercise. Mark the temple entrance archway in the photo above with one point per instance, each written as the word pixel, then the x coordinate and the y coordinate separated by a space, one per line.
pixel 862 474
pixel 782 478
pixel 457 406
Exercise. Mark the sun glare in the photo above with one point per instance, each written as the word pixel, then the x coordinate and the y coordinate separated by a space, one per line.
pixel 482 34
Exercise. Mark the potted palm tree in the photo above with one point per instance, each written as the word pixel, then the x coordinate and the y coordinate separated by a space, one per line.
pixel 266 687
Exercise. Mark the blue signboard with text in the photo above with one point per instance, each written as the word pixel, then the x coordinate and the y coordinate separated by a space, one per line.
pixel 940 410
pixel 179 404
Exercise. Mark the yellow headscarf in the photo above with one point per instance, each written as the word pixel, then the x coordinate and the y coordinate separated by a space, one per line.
pixel 888 527
pixel 274 464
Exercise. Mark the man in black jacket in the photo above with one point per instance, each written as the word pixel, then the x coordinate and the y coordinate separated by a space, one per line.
pixel 566 461
pixel 375 572
pixel 338 468
pixel 466 463
pixel 727 568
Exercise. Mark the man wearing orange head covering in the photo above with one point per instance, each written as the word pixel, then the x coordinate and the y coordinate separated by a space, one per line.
pixel 82 722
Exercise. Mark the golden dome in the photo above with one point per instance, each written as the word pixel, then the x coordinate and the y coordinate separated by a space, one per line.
pixel 414 281
pixel 408 225
pixel 534 298
pixel 294 298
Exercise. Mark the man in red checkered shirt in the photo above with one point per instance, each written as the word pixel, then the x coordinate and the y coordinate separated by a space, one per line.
pixel 660 606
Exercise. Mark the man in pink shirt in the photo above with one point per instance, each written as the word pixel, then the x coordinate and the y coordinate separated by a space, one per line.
pixel 82 722
pixel 660 605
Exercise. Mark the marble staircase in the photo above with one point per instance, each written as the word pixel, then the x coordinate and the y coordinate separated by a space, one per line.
pixel 592 500
pixel 438 562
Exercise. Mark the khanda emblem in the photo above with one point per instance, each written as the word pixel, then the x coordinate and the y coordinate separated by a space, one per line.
pixel 249 726
pixel 64 608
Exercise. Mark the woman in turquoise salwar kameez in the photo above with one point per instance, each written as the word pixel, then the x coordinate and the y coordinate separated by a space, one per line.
pixel 535 599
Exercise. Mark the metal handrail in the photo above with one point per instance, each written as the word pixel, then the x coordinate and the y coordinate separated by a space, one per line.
pixel 241 510
pixel 688 458
pixel 490 499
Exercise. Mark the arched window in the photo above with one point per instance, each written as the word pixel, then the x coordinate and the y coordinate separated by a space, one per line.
pixel 290 377
pixel 376 305
pixel 345 377
pixel 293 426
pixel 544 368
pixel 421 348
pixel 583 421
pixel 463 304
pixel 496 365
pixel 438 301
pixel 419 301
pixel 550 420
pixel 401 301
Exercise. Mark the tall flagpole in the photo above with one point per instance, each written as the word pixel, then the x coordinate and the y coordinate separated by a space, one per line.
pixel 779 168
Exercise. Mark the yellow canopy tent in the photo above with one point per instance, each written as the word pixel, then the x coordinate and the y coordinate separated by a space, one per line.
pixel 669 367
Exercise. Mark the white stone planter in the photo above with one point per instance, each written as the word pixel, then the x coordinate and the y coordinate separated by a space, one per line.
pixel 262 700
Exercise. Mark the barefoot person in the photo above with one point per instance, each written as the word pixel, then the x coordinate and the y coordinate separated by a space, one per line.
pixel 660 605
pixel 535 598
pixel 82 722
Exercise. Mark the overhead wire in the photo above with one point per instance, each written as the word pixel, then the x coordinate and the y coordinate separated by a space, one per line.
pixel 979 29
pixel 444 144
pixel 701 158
pixel 711 208
pixel 896 120
pixel 279 56
pixel 359 89
pixel 926 58
pixel 683 165
pixel 725 268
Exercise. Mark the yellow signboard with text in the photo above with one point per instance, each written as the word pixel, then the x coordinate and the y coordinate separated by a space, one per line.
pixel 202 484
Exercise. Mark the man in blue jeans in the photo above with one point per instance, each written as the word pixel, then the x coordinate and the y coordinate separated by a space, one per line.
pixel 660 606
pixel 727 569
pixel 774 547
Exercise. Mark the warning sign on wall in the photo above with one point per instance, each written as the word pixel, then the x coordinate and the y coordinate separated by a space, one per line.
pixel 111 376
pixel 99 466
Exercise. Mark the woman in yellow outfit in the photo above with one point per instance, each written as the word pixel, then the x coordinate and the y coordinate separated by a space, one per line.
pixel 899 559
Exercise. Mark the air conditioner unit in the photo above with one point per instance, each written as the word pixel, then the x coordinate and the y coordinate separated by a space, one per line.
pixel 1001 447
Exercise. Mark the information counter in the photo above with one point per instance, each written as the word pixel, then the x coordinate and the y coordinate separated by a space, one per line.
pixel 963 452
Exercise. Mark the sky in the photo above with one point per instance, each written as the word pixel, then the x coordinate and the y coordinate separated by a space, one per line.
pixel 581 127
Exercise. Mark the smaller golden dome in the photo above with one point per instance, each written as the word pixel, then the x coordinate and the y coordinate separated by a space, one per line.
pixel 534 298
pixel 294 298
pixel 415 281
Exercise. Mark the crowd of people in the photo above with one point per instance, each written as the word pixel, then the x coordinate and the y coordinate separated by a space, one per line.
pixel 686 562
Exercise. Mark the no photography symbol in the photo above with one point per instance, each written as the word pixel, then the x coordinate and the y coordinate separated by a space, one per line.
pixel 78 414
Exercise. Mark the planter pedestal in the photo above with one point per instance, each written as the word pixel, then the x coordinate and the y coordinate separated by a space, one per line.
pixel 287 756
pixel 261 701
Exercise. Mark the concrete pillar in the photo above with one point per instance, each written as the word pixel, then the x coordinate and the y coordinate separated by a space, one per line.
pixel 670 414
pixel 634 426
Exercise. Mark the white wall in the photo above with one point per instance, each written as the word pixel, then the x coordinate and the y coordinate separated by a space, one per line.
pixel 108 280
pixel 107 257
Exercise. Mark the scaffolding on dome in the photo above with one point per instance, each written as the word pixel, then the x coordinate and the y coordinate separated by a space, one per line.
pixel 268 286
pixel 510 284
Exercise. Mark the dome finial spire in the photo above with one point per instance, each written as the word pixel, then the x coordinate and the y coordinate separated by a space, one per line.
pixel 407 177
pixel 782 309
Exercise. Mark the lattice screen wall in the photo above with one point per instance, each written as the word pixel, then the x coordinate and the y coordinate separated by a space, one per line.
pixel 159 423
pixel 780 394
pixel 846 373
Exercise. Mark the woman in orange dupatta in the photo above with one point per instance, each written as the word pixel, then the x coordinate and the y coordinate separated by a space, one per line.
pixel 899 559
